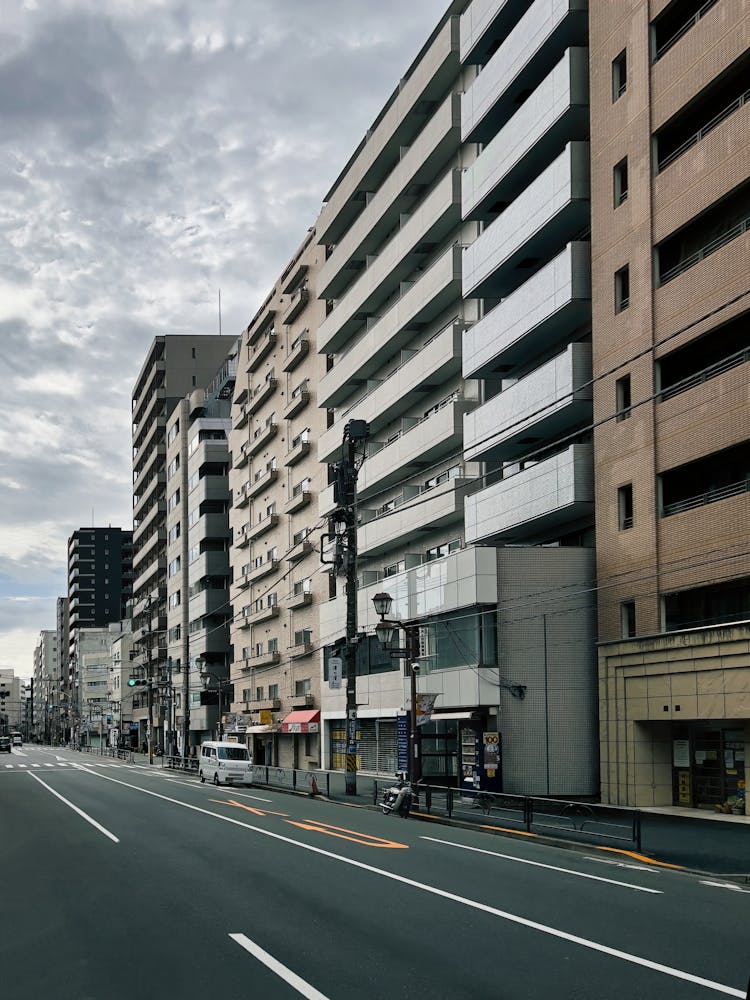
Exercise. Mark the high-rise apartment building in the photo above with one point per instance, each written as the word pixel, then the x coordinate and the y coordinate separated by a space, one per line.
pixel 276 482
pixel 670 130
pixel 457 281
pixel 198 608
pixel 46 688
pixel 173 368
pixel 64 664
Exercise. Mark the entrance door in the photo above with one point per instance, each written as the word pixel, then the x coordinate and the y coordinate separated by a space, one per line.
pixel 718 766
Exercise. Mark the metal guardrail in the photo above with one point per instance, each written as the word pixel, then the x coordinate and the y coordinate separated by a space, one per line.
pixel 673 39
pixel 712 371
pixel 292 778
pixel 705 251
pixel 709 496
pixel 704 131
pixel 564 819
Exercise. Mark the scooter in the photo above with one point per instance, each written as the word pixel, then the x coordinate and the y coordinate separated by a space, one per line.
pixel 398 797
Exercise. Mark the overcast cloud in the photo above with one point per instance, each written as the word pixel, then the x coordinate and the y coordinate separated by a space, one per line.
pixel 152 152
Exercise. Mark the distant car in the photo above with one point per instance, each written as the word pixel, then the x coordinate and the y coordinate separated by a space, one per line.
pixel 4 744
pixel 16 739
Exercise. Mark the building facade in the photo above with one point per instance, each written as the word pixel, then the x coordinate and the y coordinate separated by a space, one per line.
pixel 47 702
pixel 276 481
pixel 198 542
pixel 173 368
pixel 670 124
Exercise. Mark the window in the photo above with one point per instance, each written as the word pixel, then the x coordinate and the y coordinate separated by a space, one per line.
pixel 300 536
pixel 270 510
pixel 174 567
pixel 622 289
pixel 272 554
pixel 194 552
pixel 273 645
pixel 620 181
pixel 627 618
pixel 245 694
pixel 173 466
pixel 619 75
pixel 622 397
pixel 174 633
pixel 625 506
pixel 174 533
pixel 174 600
pixel 302 587
pixel 173 500
pixel 174 430
pixel 273 691
pixel 259 694
pixel 303 637
pixel 273 600
pixel 302 687
pixel 192 351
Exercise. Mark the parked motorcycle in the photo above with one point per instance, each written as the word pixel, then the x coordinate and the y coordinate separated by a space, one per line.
pixel 398 797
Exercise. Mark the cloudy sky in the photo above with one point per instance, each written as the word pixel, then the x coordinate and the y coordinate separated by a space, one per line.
pixel 152 152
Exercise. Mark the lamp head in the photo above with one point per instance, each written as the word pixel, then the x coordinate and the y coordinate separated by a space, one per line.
pixel 383 603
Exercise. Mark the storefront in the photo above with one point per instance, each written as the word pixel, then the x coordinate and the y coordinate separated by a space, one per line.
pixel 300 739
pixel 708 766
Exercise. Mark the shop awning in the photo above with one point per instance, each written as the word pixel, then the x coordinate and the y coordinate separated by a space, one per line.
pixel 302 722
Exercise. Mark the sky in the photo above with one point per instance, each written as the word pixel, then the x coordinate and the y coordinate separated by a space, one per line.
pixel 152 154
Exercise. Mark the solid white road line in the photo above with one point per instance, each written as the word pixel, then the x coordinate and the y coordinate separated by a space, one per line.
pixel 300 985
pixel 75 809
pixel 624 956
pixel 539 864
pixel 725 885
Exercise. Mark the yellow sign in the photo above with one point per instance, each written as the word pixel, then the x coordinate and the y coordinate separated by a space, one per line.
pixel 265 717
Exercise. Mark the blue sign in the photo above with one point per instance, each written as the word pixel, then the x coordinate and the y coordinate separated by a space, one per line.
pixel 402 741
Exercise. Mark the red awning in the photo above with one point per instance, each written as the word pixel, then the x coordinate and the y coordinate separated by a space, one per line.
pixel 302 722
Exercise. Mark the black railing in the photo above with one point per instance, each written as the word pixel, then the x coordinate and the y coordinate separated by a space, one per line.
pixel 704 131
pixel 716 244
pixel 709 496
pixel 673 39
pixel 718 368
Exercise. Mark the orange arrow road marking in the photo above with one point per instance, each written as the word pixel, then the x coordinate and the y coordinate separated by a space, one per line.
pixel 340 832
pixel 250 809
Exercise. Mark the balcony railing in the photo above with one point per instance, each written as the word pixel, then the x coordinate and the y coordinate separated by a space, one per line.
pixel 695 258
pixel 674 39
pixel 705 374
pixel 705 130
pixel 710 496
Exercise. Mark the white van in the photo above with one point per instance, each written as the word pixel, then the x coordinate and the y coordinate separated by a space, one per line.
pixel 225 763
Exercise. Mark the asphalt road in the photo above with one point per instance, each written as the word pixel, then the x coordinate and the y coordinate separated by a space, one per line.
pixel 124 881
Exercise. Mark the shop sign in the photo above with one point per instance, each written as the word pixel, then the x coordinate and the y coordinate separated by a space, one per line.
pixel 425 705
pixel 265 717
pixel 683 788
pixel 335 672
pixel 402 741
pixel 491 753
pixel 681 753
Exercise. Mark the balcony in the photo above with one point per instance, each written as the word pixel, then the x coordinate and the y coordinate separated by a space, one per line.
pixel 209 488
pixel 155 512
pixel 298 351
pixel 421 300
pixel 437 362
pixel 243 582
pixel 536 226
pixel 149 545
pixel 261 527
pixel 242 540
pixel 263 481
pixel 523 59
pixel 547 403
pixel 297 652
pixel 211 563
pixel 397 126
pixel 297 501
pixel 211 526
pixel 297 453
pixel 240 416
pixel 208 602
pixel 299 399
pixel 257 617
pixel 326 503
pixel 537 504
pixel 555 113
pixel 299 551
pixel 256 663
pixel 423 513
pixel 265 569
pixel 299 299
pixel 414 449
pixel 261 350
pixel 432 222
pixel 296 601
pixel 422 160
pixel 242 496
pixel 542 312
pixel 485 23
pixel 262 437
pixel 261 393
pixel 242 456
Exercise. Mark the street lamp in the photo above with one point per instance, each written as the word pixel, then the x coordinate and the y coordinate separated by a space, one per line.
pixel 221 683
pixel 385 631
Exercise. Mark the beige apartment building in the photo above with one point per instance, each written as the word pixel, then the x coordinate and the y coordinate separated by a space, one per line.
pixel 276 481
pixel 670 131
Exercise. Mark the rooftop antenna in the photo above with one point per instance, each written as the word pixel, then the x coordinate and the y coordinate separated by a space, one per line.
pixel 219 312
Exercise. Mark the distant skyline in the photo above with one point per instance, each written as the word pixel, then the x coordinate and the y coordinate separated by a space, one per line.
pixel 151 154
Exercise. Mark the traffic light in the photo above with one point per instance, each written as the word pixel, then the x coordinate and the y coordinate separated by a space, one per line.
pixel 136 681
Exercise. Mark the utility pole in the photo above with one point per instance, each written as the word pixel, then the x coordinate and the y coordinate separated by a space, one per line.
pixel 344 525
pixel 150 675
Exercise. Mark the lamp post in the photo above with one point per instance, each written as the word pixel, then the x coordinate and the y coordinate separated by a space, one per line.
pixel 221 683
pixel 384 631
